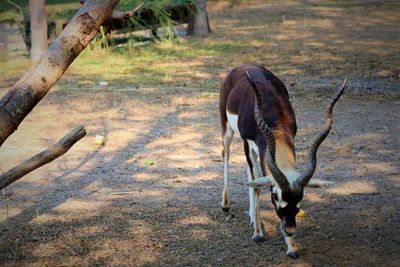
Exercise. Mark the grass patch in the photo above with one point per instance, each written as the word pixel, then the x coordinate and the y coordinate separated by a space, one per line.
pixel 182 62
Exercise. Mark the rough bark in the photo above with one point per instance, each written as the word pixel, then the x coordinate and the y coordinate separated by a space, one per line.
pixel 198 24
pixel 44 157
pixel 33 85
pixel 38 23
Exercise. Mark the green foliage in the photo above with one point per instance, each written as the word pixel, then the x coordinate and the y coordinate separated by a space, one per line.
pixel 62 10
pixel 125 5
pixel 11 15
pixel 100 41
pixel 162 18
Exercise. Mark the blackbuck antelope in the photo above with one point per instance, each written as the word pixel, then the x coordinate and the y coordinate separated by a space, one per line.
pixel 255 104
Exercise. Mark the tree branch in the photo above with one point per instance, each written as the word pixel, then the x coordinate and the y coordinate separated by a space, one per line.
pixel 43 157
pixel 123 15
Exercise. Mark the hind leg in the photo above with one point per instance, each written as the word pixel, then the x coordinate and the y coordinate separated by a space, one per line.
pixel 226 142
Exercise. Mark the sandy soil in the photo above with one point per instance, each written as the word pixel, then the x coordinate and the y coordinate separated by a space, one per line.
pixel 105 205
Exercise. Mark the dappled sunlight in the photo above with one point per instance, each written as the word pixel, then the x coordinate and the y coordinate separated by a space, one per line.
pixel 356 187
pixel 329 12
pixel 185 158
pixel 322 24
pixel 172 64
pixel 48 250
pixel 196 220
pixel 143 176
pixel 206 176
pixel 314 197
pixel 152 194
pixel 79 242
pixel 29 139
pixel 258 43
pixel 360 140
pixel 79 206
pixel 49 218
pixel 378 167
pixel 183 181
pixel 200 75
pixel 316 44
pixel 8 212
pixel 291 72
pixel 184 153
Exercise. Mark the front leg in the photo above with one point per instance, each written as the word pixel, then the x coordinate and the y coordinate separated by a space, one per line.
pixel 258 235
pixel 292 248
pixel 254 193
pixel 251 196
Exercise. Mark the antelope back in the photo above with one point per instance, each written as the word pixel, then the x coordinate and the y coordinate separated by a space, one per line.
pixel 237 97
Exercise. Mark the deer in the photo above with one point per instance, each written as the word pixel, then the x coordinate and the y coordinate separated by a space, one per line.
pixel 255 104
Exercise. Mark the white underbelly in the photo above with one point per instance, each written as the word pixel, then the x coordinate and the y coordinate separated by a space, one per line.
pixel 233 123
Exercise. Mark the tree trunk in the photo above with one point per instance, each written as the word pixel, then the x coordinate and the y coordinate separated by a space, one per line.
pixel 198 24
pixel 38 19
pixel 33 85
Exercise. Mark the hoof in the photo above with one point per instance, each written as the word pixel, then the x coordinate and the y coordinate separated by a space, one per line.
pixel 226 210
pixel 293 255
pixel 259 238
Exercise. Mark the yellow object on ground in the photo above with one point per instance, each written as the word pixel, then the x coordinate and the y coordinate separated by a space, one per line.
pixel 99 140
pixel 301 213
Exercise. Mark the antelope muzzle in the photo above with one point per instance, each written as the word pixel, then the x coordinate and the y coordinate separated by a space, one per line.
pixel 288 226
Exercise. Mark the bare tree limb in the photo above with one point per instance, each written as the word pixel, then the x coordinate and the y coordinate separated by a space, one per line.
pixel 43 157
pixel 123 15
pixel 33 86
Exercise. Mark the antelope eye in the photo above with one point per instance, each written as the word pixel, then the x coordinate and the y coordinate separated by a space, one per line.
pixel 275 195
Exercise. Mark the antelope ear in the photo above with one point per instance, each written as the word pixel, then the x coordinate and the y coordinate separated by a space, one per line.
pixel 260 182
pixel 318 183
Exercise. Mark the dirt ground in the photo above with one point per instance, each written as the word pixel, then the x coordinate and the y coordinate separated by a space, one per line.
pixel 150 196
